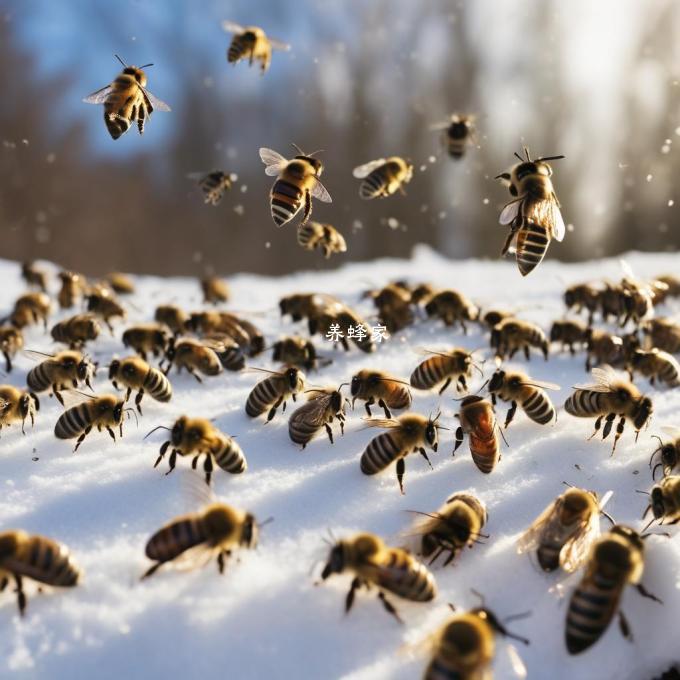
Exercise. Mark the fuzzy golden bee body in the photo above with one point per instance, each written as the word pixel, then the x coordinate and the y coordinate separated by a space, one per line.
pixel 668 451
pixel 133 373
pixel 194 356
pixel 72 289
pixel 582 296
pixel 393 303
pixel 173 317
pixel 251 43
pixel 478 421
pixel 102 303
pixel 493 317
pixel 102 412
pixel 511 335
pixel 296 351
pixel 273 391
pixel 443 367
pixel 301 306
pixel 570 333
pixel 215 290
pixel 11 341
pixel 458 134
pixel 145 339
pixel 230 354
pixel 383 177
pixel 656 365
pixel 390 392
pixel 664 500
pixel 452 307
pixel 662 333
pixel 61 371
pixel 516 388
pixel 325 318
pixel 76 331
pixel 604 348
pixel 16 405
pixel 34 276
pixel 31 308
pixel 325 237
pixel 323 406
pixel 245 334
pixel 120 283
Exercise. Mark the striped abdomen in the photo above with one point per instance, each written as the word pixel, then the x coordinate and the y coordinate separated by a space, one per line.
pixel 73 422
pixel 538 407
pixel 668 372
pixel 43 560
pixel 238 49
pixel 553 538
pixel 232 358
pixel 431 372
pixel 532 245
pixel 39 378
pixel 375 184
pixel 175 538
pixel 586 403
pixel 301 428
pixel 286 201
pixel 214 185
pixel 124 105
pixel 380 452
pixel 485 451
pixel 263 396
pixel 309 235
pixel 157 385
pixel 398 397
pixel 230 457
pixel 406 577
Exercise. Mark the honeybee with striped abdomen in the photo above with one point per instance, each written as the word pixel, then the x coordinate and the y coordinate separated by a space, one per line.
pixel 511 335
pixel 604 348
pixel 443 367
pixel 145 339
pixel 662 333
pixel 615 560
pixel 11 341
pixel 655 364
pixel 493 317
pixel 229 353
pixel 564 532
pixel 35 557
pixel 172 316
pixel 375 564
pixel 126 100
pixel 383 177
pixel 669 452
pixel 216 531
pixel 214 184
pixel 196 437
pixel 410 432
pixel 459 133
pixel 194 356
pixel 608 397
pixel 323 406
pixel 569 332
pixel 583 296
pixel 120 283
pixel 478 421
pixel 31 308
pixel 72 289
pixel 214 290
pixel 251 43
pixel 34 276
pixel 534 213
pixel 273 391
pixel 102 303
pixel 664 500
pixel 370 386
pixel 517 387
pixel 76 331
pixel 296 351
pixel 297 181
pixel 61 371
pixel 323 236
pixel 134 373
pixel 17 405
pixel 452 307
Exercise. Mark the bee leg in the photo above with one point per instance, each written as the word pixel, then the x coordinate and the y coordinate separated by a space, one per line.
pixel 389 606
pixel 151 570
pixel 440 550
pixel 349 600
pixel 220 562
pixel 450 557
pixel 8 362
pixel 163 449
pixel 598 422
pixel 194 462
pixel 401 468
pixel 138 401
pixel 423 453
pixel 383 406
pixel 21 596
pixel 172 461
pixel 619 432
pixel 198 377
pixel 447 382
pixel 58 396
pixel 111 432
pixel 645 593
pixel 624 627
pixel 493 398
pixel 80 439
pixel 513 351
pixel 272 411
pixel 608 422
pixel 308 208
pixel 329 432
pixel 526 352
pixel 462 383
pixel 3 583
pixel 367 405
pixel 208 468
pixel 511 414
pixel 572 351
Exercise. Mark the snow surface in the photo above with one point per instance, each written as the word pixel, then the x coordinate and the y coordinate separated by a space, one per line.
pixel 265 617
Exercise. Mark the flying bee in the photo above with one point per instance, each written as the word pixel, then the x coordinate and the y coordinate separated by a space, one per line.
pixel 457 523
pixel 296 351
pixel 668 451
pixel 656 364
pixel 273 391
pixel 147 339
pixel 459 133
pixel 297 181
pixel 196 437
pixel 17 405
pixel 196 357
pixel 564 532
pixel 34 276
pixel 604 348
pixel 569 332
pixel 615 560
pixel 120 283
pixel 173 317
pixel 11 341
pixel 216 531
pixel 383 177
pixel 410 432
pixel 214 290
pixel 134 373
pixel 662 333
pixel 444 367
pixel 76 331
pixel 102 303
pixel 37 558
pixel 31 308
pixel 103 412
pixel 323 236
pixel 375 564
pixel 664 500
pixel 370 386
pixel 126 100
pixel 251 43
pixel 511 335
pixel 214 184
pixel 478 421
pixel 72 289
pixel 61 371
pixel 607 397
pixel 583 296
pixel 452 307
pixel 519 388
pixel 534 213
pixel 322 407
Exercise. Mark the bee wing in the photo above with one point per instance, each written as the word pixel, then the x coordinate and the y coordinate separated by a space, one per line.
pixel 381 422
pixel 510 211
pixel 542 384
pixel 158 104
pixel 279 45
pixel 197 176
pixel 232 27
pixel 576 549
pixel 671 431
pixel 274 161
pixel 366 169
pixel 193 558
pixel 35 355
pixel 98 97
pixel 518 667
pixel 604 377
pixel 319 191
pixel 195 492
pixel 313 411
pixel 548 213
pixel 74 397
pixel 529 540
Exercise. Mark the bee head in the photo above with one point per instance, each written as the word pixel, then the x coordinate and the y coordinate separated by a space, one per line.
pixel 643 412
pixel 336 561
pixel 277 347
pixel 431 434
pixel 114 367
pixel 460 128
pixel 83 370
pixel 657 503
pixel 355 385
pixel 249 36
pixel 315 163
pixel 137 74
pixel 117 411
pixel 669 455
pixel 284 306
pixel 25 404
pixel 177 433
pixel 556 331
pixel 292 375
pixel 496 380
pixel 250 533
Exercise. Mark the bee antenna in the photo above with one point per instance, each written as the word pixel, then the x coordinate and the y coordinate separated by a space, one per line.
pixel 315 152
pixel 526 153
pixel 120 60
pixel 476 593
pixel 342 385
pixel 134 413
pixel 550 158
pixel 146 66
pixel 160 427
pixel 297 148
pixel 518 156
pixel 269 520
pixel 641 491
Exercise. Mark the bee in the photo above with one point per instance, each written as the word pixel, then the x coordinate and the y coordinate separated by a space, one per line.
pixel 459 133
pixel 273 391
pixel 61 371
pixel 383 177
pixel 15 405
pixel 196 437
pixel 251 43
pixel 147 339
pixel 214 184
pixel 34 276
pixel 76 331
pixel 322 407
pixel 323 236
pixel 396 317
pixel 214 290
pixel 305 305
pixel 564 532
pixel 422 293
pixel 534 213
pixel 72 288
pixel 662 333
pixel 672 284
pixel 665 500
pixel 638 301
pixel 615 560
pixel 493 317
pixel 569 332
pixel 296 351
pixel 608 397
pixel 35 557
pixel 443 367
pixel 256 340
pixel 604 348
pixel 297 181
pixel 669 452
pixel 126 100
pixel 392 295
pixel 102 412
pixel 197 357
pixel 338 318
pixel 120 283
pixel 208 323
pixel 457 523
pixel 216 531
pixel 517 387
pixel 370 386
pixel 173 317
pixel 582 296
pixel 452 307
pixel 477 420
pixel 229 353
pixel 103 304
pixel 29 309
pixel 410 432
pixel 511 335
pixel 135 374
pixel 388 569
pixel 656 364
pixel 11 341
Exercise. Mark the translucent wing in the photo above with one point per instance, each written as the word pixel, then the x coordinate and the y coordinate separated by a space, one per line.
pixel 319 191
pixel 366 169
pixel 510 211
pixel 381 422
pixel 35 355
pixel 518 667
pixel 232 27
pixel 274 161
pixel 313 412
pixel 530 539
pixel 542 384
pixel 157 104
pixel 604 376
pixel 279 45
pixel 193 558
pixel 556 221
pixel 195 492
pixel 440 126
pixel 577 548
pixel 627 270
pixel 671 431
pixel 98 97
pixel 197 176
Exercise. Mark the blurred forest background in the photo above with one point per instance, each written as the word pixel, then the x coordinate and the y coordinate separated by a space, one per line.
pixel 596 81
